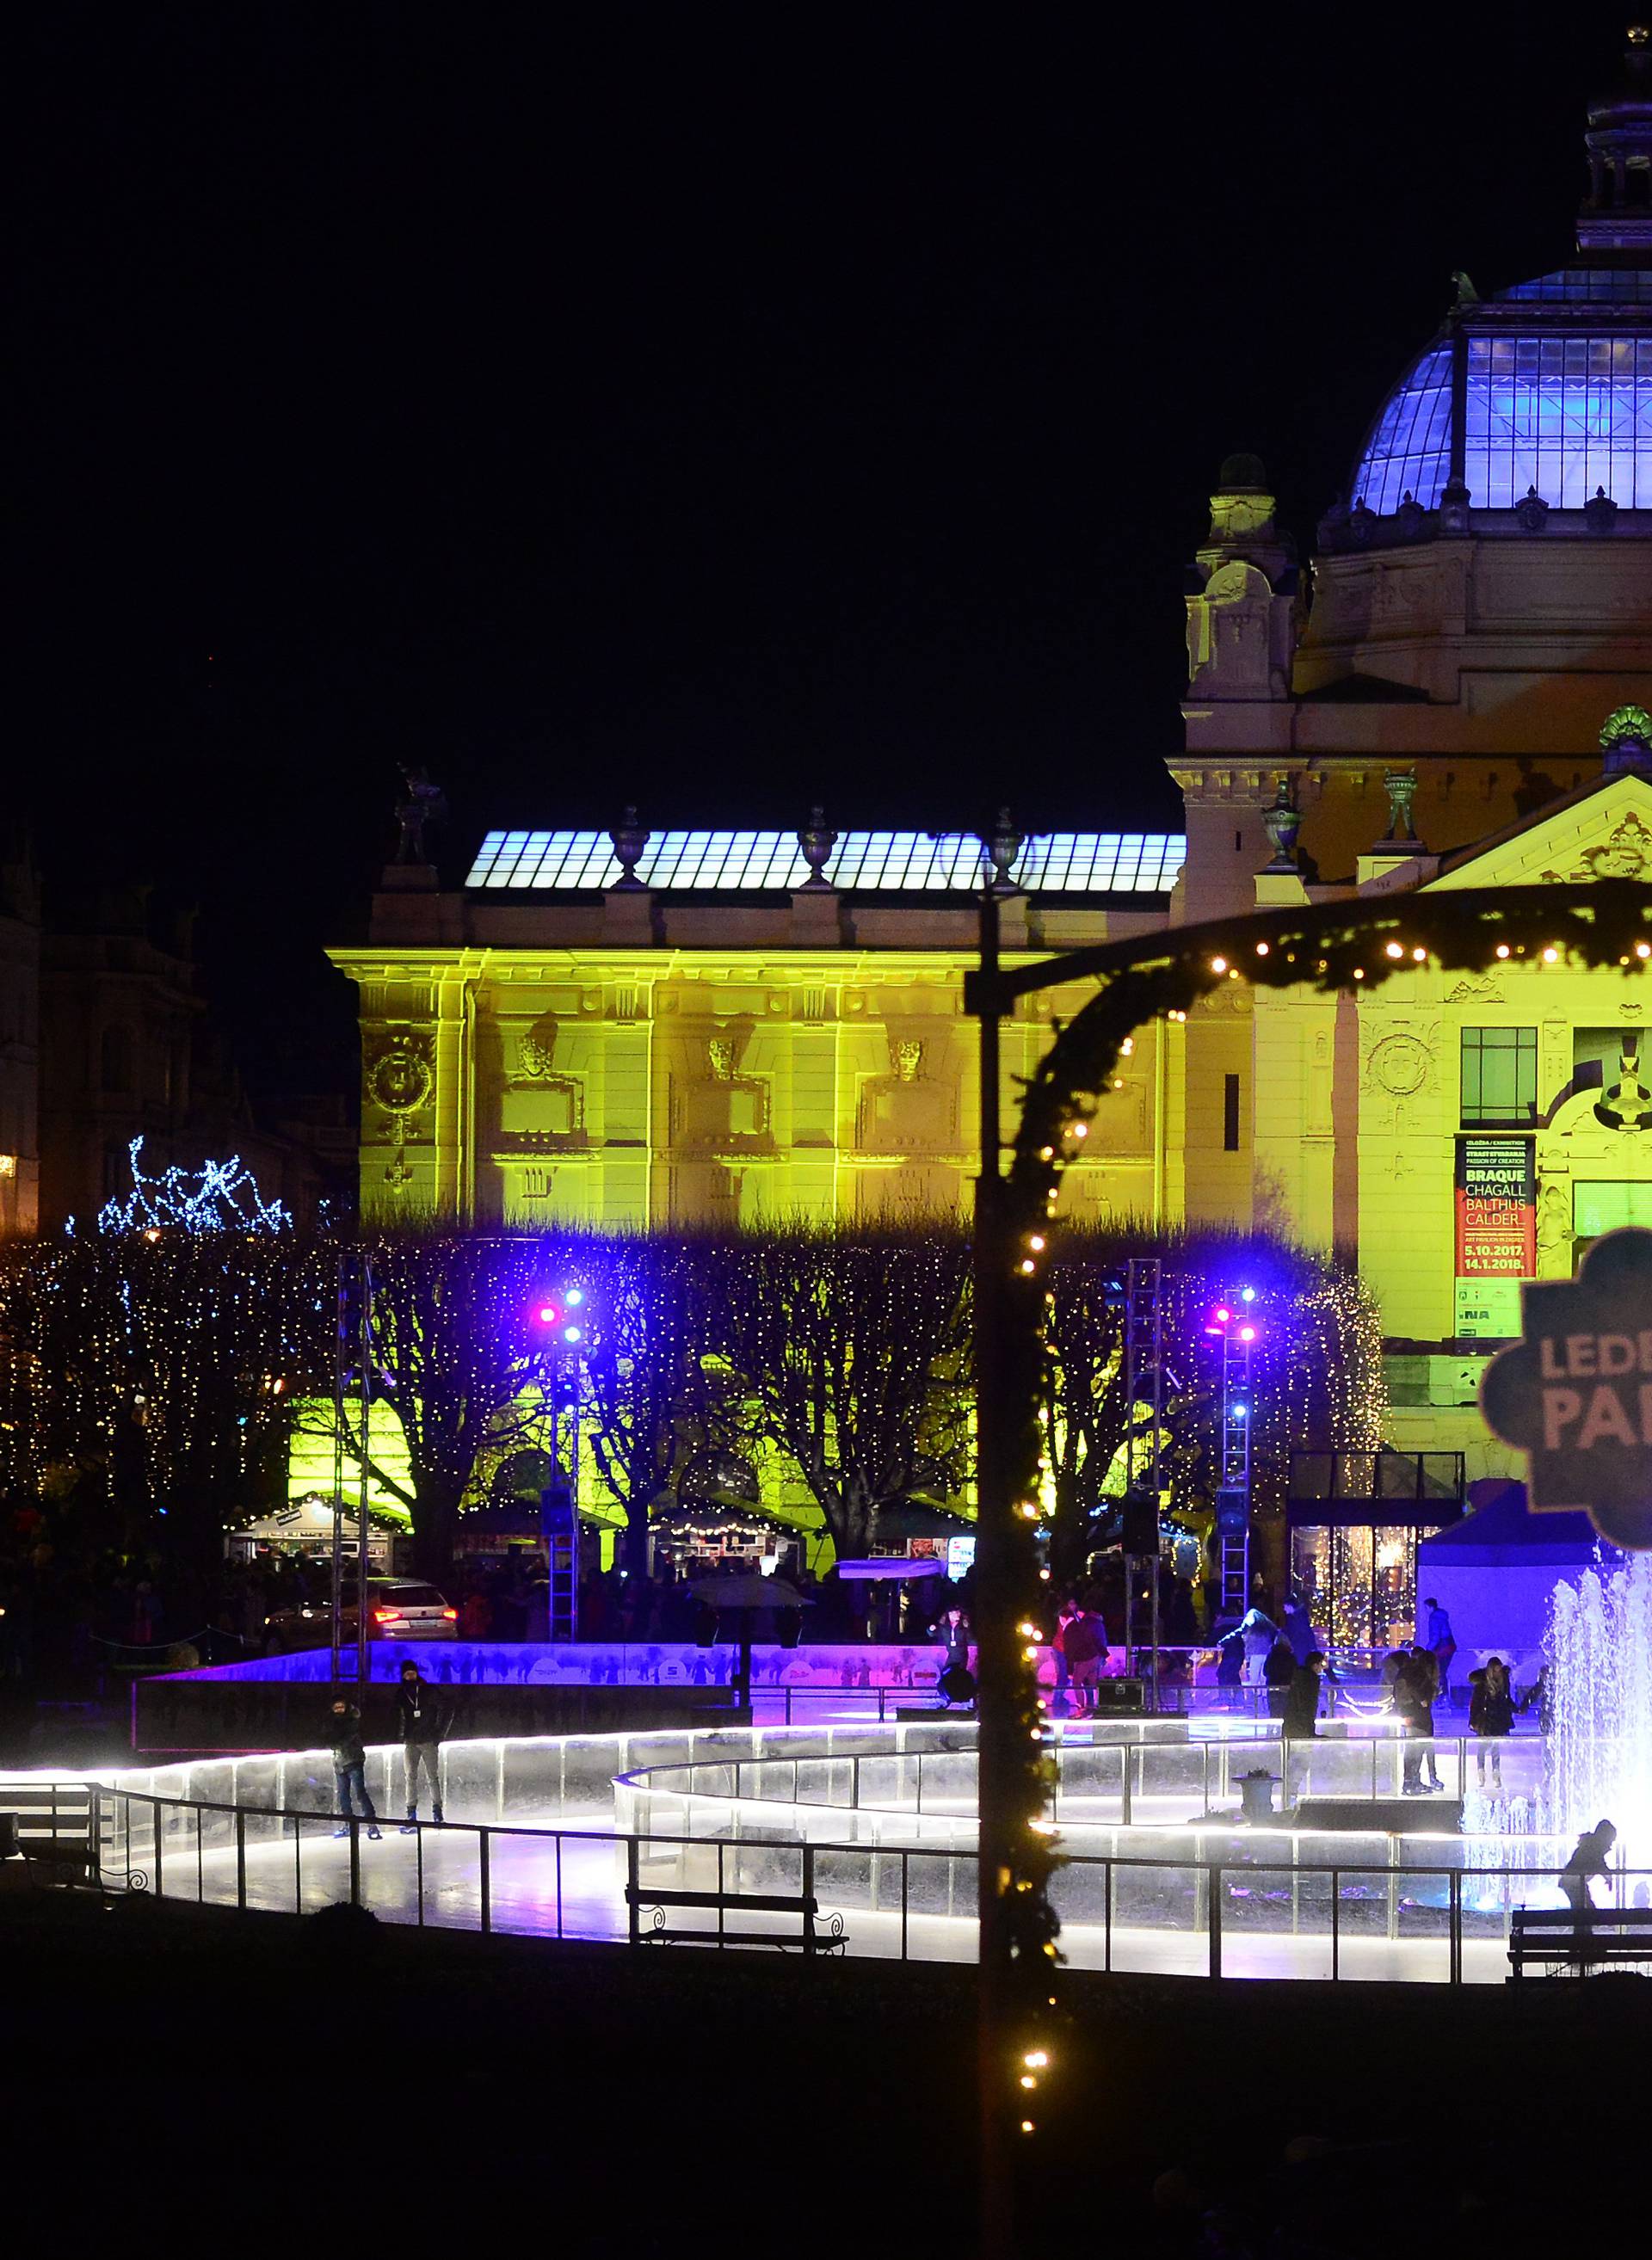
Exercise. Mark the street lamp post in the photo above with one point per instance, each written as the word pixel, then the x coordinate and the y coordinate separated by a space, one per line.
pixel 1016 1952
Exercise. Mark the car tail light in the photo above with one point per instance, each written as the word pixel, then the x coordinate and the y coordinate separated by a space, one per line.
pixel 384 1616
pixel 451 1616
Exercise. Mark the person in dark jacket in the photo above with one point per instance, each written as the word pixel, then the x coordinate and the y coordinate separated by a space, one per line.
pixel 1277 1673
pixel 952 1631
pixel 1592 1857
pixel 1413 1696
pixel 1302 1699
pixel 350 1765
pixel 421 1741
pixel 1491 1716
pixel 1540 1697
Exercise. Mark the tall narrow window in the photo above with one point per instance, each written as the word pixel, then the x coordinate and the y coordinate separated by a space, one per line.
pixel 1500 1077
pixel 115 1061
pixel 1230 1113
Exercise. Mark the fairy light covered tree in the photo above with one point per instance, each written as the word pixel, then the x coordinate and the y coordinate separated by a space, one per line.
pixel 455 1346
pixel 854 1349
pixel 644 1382
pixel 1314 1320
pixel 1350 944
pixel 166 1358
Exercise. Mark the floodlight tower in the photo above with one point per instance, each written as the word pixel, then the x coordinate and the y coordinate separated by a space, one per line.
pixel 1144 1377
pixel 1233 1325
pixel 562 1314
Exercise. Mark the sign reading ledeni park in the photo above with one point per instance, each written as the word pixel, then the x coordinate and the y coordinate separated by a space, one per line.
pixel 1575 1394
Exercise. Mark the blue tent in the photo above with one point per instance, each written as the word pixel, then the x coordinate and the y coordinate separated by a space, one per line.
pixel 1495 1573
pixel 1501 1531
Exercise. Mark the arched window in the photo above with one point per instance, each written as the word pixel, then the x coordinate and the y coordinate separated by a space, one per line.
pixel 114 1067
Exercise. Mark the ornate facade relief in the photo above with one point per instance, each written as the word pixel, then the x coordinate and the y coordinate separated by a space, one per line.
pixel 399 1077
pixel 1476 988
pixel 908 1109
pixel 1625 853
pixel 1401 1064
pixel 716 1106
pixel 1239 635
pixel 540 1105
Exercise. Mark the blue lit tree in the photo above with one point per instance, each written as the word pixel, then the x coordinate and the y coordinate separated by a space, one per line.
pixel 454 1337
pixel 218 1197
pixel 645 1390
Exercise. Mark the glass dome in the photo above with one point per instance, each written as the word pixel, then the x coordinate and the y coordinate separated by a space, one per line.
pixel 1565 406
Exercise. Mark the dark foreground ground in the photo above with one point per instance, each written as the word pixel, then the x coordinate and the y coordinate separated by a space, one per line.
pixel 212 2082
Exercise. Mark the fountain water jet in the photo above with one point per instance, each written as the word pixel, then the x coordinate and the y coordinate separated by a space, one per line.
pixel 1599 1651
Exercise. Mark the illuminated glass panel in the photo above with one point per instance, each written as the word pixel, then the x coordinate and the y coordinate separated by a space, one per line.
pixel 1410 452
pixel 862 862
pixel 1615 286
pixel 1608 1207
pixel 1564 415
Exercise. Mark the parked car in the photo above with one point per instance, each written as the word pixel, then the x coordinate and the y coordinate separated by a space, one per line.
pixel 398 1609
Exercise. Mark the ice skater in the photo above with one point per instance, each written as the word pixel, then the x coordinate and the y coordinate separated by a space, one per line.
pixel 1442 1644
pixel 1490 1716
pixel 1590 1857
pixel 421 1741
pixel 1413 1699
pixel 349 1767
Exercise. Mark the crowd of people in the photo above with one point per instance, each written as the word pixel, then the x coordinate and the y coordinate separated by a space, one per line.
pixel 69 1623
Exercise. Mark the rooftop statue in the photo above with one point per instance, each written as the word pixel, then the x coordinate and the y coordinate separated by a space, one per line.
pixel 424 803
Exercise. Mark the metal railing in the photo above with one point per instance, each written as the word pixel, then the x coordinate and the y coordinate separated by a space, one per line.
pixel 1390 1756
pixel 1331 1909
pixel 1377 1478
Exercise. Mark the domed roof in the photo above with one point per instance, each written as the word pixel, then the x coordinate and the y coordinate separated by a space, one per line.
pixel 1242 474
pixel 1552 380
pixel 1556 390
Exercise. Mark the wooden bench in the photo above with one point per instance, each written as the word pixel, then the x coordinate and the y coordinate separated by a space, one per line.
pixel 50 1822
pixel 50 1813
pixel 812 1936
pixel 1556 1938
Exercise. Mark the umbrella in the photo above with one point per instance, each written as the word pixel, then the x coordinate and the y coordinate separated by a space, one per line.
pixel 742 1592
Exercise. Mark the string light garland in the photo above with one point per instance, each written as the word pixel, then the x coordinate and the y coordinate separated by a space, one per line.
pixel 1329 947
pixel 218 1197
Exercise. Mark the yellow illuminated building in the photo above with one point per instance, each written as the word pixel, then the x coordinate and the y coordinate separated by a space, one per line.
pixel 684 1029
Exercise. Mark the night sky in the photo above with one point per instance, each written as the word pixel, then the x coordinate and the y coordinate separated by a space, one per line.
pixel 719 408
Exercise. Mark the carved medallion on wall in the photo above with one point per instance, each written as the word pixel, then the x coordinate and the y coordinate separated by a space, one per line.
pixel 1400 1065
pixel 400 1078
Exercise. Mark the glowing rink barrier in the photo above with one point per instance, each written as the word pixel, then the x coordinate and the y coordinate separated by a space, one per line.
pixel 1159 1875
